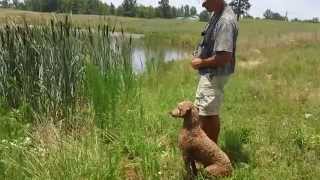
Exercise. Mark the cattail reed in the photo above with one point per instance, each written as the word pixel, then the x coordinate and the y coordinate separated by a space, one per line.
pixel 53 67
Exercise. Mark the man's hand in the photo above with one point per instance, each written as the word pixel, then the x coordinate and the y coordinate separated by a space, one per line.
pixel 220 59
pixel 196 63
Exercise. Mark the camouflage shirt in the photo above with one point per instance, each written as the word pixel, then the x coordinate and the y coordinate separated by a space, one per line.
pixel 220 34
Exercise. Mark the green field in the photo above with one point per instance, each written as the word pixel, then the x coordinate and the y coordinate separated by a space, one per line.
pixel 111 123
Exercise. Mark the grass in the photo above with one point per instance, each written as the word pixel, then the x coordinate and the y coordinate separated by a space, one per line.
pixel 270 125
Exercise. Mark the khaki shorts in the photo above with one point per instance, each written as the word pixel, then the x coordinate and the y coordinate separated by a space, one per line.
pixel 209 95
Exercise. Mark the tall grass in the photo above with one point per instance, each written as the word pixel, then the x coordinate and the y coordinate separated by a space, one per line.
pixel 52 68
pixel 42 66
pixel 110 79
pixel 72 80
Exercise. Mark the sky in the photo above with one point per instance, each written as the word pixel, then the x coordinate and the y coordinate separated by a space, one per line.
pixel 302 9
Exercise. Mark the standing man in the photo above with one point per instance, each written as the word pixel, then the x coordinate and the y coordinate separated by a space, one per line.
pixel 215 61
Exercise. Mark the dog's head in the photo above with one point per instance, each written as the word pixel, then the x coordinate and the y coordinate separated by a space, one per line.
pixel 182 110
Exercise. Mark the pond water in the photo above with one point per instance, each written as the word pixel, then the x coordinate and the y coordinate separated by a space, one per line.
pixel 142 52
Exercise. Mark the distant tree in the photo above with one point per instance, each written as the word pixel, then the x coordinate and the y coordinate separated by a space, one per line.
pixel 240 7
pixel 268 14
pixel 174 12
pixel 193 11
pixel 66 5
pixel 248 16
pixel 92 7
pixel 4 3
pixel 103 9
pixel 129 7
pixel 204 16
pixel 141 11
pixel 157 12
pixel 50 6
pixel 181 11
pixel 186 11
pixel 76 7
pixel 33 5
pixel 112 9
pixel 119 11
pixel 295 20
pixel 151 12
pixel 315 20
pixel 145 11
pixel 164 8
pixel 277 16
pixel 16 3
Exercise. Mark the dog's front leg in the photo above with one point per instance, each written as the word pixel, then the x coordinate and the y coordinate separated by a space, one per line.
pixel 189 163
pixel 194 167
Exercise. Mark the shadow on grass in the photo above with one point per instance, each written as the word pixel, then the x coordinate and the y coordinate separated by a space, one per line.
pixel 234 142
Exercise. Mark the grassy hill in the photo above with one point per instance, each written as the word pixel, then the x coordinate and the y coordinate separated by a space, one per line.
pixel 180 32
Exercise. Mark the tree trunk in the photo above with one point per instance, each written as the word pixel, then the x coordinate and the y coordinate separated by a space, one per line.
pixel 239 10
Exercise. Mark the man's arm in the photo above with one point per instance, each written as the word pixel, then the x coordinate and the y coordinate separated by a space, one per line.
pixel 221 58
pixel 223 47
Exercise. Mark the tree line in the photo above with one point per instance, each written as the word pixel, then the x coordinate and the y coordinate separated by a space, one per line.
pixel 132 9
pixel 269 14
pixel 127 8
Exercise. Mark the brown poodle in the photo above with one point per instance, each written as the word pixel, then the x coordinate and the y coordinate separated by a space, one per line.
pixel 196 146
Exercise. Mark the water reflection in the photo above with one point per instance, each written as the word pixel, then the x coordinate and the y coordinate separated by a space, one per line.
pixel 142 52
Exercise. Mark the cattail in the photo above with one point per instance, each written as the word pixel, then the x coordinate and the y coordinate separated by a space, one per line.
pixel 46 67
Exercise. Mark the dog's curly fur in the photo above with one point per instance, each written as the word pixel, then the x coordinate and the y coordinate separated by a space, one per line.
pixel 196 146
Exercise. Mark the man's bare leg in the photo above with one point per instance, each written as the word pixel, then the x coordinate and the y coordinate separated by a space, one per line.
pixel 211 126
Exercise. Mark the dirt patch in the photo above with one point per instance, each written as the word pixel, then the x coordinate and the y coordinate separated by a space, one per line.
pixel 251 58
pixel 305 95
pixel 255 51
pixel 249 64
pixel 314 95
pixel 130 170
pixel 47 135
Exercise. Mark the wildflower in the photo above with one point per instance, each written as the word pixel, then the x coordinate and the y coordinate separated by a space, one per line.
pixel 27 140
pixel 307 115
